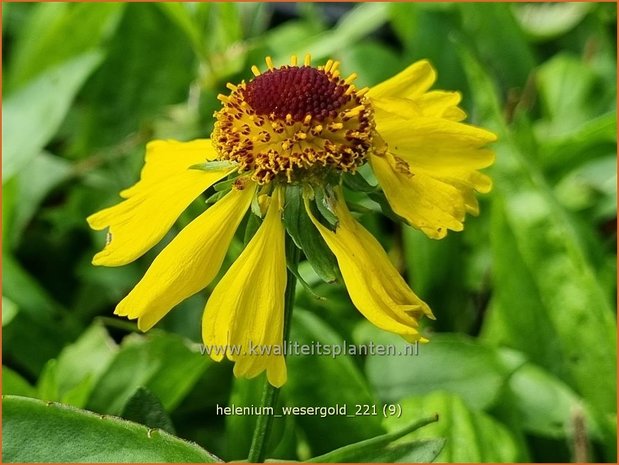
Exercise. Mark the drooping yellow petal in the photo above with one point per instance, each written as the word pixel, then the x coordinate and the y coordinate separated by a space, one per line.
pixel 410 83
pixel 424 202
pixel 245 313
pixel 152 205
pixel 166 157
pixel 189 263
pixel 375 287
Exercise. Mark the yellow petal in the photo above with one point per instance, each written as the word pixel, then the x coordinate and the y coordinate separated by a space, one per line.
pixel 412 82
pixel 437 103
pixel 189 263
pixel 375 287
pixel 166 157
pixel 436 144
pixel 154 204
pixel 246 309
pixel 426 203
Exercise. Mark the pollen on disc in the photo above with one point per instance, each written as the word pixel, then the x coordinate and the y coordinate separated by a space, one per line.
pixel 296 91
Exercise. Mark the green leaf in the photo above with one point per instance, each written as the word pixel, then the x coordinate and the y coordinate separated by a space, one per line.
pixel 14 384
pixel 144 408
pixel 42 104
pixel 36 431
pixel 380 449
pixel 163 363
pixel 471 436
pixel 323 380
pixel 72 376
pixel 449 362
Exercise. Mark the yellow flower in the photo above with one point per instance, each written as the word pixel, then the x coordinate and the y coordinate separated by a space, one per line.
pixel 296 130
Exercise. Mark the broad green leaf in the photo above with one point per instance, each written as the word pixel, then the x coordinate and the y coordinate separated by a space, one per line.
pixel 14 384
pixel 72 376
pixel 144 408
pixel 163 363
pixel 42 103
pixel 470 436
pixel 536 248
pixel 453 363
pixel 323 380
pixel 43 41
pixel 36 431
pixel 381 449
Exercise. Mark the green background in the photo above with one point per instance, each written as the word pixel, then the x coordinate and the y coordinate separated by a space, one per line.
pixel 522 360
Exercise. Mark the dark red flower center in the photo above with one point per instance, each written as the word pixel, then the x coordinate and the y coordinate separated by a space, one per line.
pixel 297 91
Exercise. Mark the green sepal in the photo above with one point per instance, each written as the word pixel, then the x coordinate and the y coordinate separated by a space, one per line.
pixel 253 223
pixel 306 237
pixel 325 199
pixel 294 269
pixel 221 189
pixel 215 165
pixel 357 182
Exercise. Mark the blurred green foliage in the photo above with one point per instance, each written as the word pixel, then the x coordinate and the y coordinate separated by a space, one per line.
pixel 522 360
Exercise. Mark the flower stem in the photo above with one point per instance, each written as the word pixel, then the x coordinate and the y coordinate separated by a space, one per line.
pixel 257 450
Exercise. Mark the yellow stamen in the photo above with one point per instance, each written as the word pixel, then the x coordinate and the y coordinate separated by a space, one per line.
pixel 328 65
pixel 231 86
pixel 308 59
pixel 255 70
pixel 223 98
pixel 350 78
pixel 269 62
pixel 293 60
pixel 363 91
pixel 355 111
